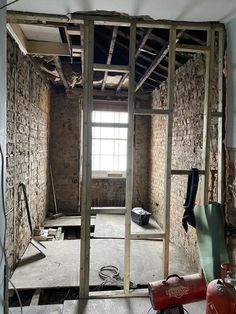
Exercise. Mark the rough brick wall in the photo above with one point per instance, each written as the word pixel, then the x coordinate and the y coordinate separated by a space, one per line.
pixel 111 192
pixel 108 192
pixel 65 148
pixel 187 147
pixel 27 149
pixel 65 158
pixel 141 161
pixel 230 203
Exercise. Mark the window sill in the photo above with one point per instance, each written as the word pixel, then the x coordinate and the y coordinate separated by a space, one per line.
pixel 108 175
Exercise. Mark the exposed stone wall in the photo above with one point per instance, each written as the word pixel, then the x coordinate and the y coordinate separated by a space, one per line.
pixel 65 148
pixel 186 146
pixel 27 149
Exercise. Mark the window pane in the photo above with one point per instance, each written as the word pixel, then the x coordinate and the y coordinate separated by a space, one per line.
pixel 96 147
pixel 107 163
pixel 108 132
pixel 120 147
pixel 107 147
pixel 122 163
pixel 123 117
pixel 96 132
pixel 121 133
pixel 95 162
pixel 107 117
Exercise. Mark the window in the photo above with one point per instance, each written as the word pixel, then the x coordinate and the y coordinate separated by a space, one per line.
pixel 109 143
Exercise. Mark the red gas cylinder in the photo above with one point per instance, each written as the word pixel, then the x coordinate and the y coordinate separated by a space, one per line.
pixel 221 298
pixel 176 290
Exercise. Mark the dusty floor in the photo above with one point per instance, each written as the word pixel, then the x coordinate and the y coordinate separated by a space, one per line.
pixel 105 306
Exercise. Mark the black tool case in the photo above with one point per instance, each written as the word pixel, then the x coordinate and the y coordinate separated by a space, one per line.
pixel 140 216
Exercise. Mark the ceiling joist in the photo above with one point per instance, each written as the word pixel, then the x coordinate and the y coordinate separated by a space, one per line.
pixel 110 54
pixel 156 62
pixel 140 46
pixel 60 71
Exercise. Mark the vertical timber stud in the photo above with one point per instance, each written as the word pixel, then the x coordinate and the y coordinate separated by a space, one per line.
pixel 86 159
pixel 220 180
pixel 207 113
pixel 169 126
pixel 129 173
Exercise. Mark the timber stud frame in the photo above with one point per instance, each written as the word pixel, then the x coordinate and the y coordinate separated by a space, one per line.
pixel 87 22
pixel 208 50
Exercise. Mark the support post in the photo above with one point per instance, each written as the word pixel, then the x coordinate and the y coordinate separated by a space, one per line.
pixel 86 159
pixel 220 178
pixel 3 93
pixel 129 175
pixel 207 113
pixel 169 126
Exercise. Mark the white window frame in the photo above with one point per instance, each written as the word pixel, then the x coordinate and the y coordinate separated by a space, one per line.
pixel 107 174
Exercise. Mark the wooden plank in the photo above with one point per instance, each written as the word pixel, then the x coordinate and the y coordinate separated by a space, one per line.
pixel 86 159
pixel 82 49
pixel 192 48
pixel 197 40
pixel 168 149
pixel 58 235
pixel 164 51
pixel 130 148
pixel 35 297
pixel 220 188
pixel 147 112
pixel 108 210
pixel 109 125
pixel 66 221
pixel 58 65
pixel 207 114
pixel 53 19
pixel 47 48
pixel 111 68
pixel 184 172
pixel 73 30
pixel 113 294
pixel 18 36
pixel 110 54
pixel 140 46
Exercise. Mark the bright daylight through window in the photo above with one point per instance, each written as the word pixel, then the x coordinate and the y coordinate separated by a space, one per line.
pixel 109 143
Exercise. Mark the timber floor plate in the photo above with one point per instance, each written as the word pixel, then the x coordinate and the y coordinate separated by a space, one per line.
pixel 113 226
pixel 66 221
pixel 60 268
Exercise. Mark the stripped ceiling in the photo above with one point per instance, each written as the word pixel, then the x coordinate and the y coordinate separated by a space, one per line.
pixel 55 45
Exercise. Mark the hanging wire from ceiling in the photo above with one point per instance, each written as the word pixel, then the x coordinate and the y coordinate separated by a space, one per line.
pixel 6 5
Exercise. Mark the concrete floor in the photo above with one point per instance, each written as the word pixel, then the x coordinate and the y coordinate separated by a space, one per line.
pixel 60 268
pixel 139 305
